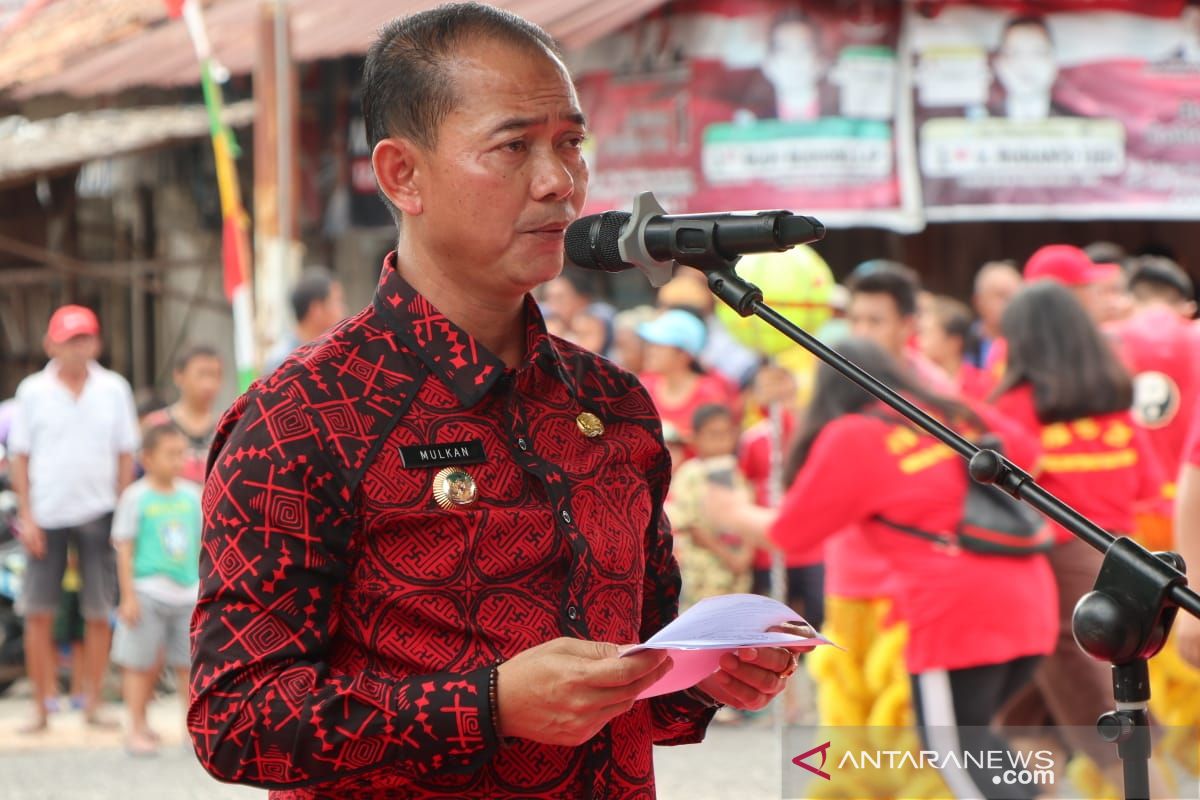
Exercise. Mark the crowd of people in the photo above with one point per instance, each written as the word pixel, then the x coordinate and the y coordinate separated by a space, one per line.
pixel 1085 369
pixel 109 484
pixel 1087 372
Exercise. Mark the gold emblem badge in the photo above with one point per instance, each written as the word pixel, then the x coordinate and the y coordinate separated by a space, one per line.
pixel 589 424
pixel 454 486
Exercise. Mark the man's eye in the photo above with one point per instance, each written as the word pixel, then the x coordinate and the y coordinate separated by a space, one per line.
pixel 575 142
pixel 517 146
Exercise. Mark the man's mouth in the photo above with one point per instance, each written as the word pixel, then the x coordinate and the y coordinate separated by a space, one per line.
pixel 551 228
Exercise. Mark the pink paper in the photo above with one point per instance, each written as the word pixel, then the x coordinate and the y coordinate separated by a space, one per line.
pixel 689 668
pixel 714 626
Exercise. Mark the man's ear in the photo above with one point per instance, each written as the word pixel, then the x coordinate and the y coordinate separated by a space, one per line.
pixel 395 163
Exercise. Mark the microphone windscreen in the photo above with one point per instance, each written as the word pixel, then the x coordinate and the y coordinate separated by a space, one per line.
pixel 592 241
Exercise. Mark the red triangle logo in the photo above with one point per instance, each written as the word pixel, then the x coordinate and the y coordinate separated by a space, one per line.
pixel 823 749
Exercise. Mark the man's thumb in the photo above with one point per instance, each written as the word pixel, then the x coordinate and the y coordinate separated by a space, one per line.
pixel 599 650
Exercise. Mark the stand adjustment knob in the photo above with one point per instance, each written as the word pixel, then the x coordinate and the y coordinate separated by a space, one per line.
pixel 1114 727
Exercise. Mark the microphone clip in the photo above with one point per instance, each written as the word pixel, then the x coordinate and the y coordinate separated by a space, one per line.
pixel 632 246
pixel 703 255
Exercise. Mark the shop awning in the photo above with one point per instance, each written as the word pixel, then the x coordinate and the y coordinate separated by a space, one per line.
pixel 157 52
pixel 31 149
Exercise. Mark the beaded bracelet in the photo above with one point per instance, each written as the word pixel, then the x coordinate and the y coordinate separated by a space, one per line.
pixel 494 702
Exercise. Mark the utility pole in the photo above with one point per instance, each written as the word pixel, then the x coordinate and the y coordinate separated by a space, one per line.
pixel 276 174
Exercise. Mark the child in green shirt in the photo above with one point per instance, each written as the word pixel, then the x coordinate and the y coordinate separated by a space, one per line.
pixel 156 530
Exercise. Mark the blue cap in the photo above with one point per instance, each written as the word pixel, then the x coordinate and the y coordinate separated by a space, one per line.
pixel 676 328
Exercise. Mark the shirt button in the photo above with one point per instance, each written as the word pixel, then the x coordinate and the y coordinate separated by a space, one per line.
pixel 521 443
pixel 572 613
pixel 566 517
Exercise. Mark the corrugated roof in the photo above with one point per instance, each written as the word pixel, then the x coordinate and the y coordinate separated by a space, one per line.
pixel 45 37
pixel 14 13
pixel 158 55
pixel 161 54
pixel 29 149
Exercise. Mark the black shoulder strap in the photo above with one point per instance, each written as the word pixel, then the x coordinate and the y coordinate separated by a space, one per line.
pixel 921 533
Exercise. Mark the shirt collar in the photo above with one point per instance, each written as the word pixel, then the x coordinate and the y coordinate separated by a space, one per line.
pixel 451 354
pixel 53 366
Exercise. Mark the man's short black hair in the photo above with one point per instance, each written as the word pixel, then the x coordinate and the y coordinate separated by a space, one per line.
pixel 1107 253
pixel 881 276
pixel 194 351
pixel 1157 276
pixel 408 88
pixel 314 285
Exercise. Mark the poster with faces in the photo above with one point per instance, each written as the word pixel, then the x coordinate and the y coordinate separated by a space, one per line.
pixel 1067 113
pixel 744 104
pixel 894 114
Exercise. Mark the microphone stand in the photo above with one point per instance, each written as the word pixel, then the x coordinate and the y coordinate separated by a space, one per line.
pixel 1127 616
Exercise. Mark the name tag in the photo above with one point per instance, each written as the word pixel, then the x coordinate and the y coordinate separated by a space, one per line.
pixel 442 455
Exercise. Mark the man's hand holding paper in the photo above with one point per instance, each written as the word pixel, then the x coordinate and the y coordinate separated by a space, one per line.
pixel 739 649
pixel 750 677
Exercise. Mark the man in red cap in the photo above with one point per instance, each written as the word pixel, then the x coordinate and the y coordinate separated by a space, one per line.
pixel 72 444
pixel 1097 286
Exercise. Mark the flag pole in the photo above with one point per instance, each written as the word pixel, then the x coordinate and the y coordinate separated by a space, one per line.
pixel 235 222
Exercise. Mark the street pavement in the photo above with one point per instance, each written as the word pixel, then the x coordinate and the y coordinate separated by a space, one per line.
pixel 73 762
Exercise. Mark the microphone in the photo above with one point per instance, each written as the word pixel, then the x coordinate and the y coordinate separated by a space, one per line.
pixel 653 241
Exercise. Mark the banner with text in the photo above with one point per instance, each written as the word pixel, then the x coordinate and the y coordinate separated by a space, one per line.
pixel 1061 114
pixel 747 104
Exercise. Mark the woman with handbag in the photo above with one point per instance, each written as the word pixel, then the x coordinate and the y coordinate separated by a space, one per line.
pixel 1064 384
pixel 978 623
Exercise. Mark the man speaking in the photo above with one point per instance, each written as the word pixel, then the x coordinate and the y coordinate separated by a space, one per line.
pixel 427 533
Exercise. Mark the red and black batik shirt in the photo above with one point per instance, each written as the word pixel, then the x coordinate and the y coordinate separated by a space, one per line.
pixel 347 622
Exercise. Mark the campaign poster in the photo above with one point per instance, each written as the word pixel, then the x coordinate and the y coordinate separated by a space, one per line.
pixel 1056 109
pixel 719 105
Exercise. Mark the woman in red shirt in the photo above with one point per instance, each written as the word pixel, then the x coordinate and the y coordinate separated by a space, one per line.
pixel 1064 384
pixel 977 623
pixel 673 375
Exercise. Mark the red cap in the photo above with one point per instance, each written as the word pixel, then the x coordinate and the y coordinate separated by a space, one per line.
pixel 1068 265
pixel 71 321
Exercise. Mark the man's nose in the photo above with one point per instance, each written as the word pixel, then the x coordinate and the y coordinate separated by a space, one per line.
pixel 553 178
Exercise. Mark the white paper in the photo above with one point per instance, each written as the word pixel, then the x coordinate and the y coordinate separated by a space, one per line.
pixel 714 626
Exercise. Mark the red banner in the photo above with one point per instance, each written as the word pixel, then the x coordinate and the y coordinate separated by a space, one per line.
pixel 749 105
pixel 1063 113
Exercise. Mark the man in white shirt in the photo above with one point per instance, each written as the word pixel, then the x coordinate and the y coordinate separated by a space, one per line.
pixel 72 440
